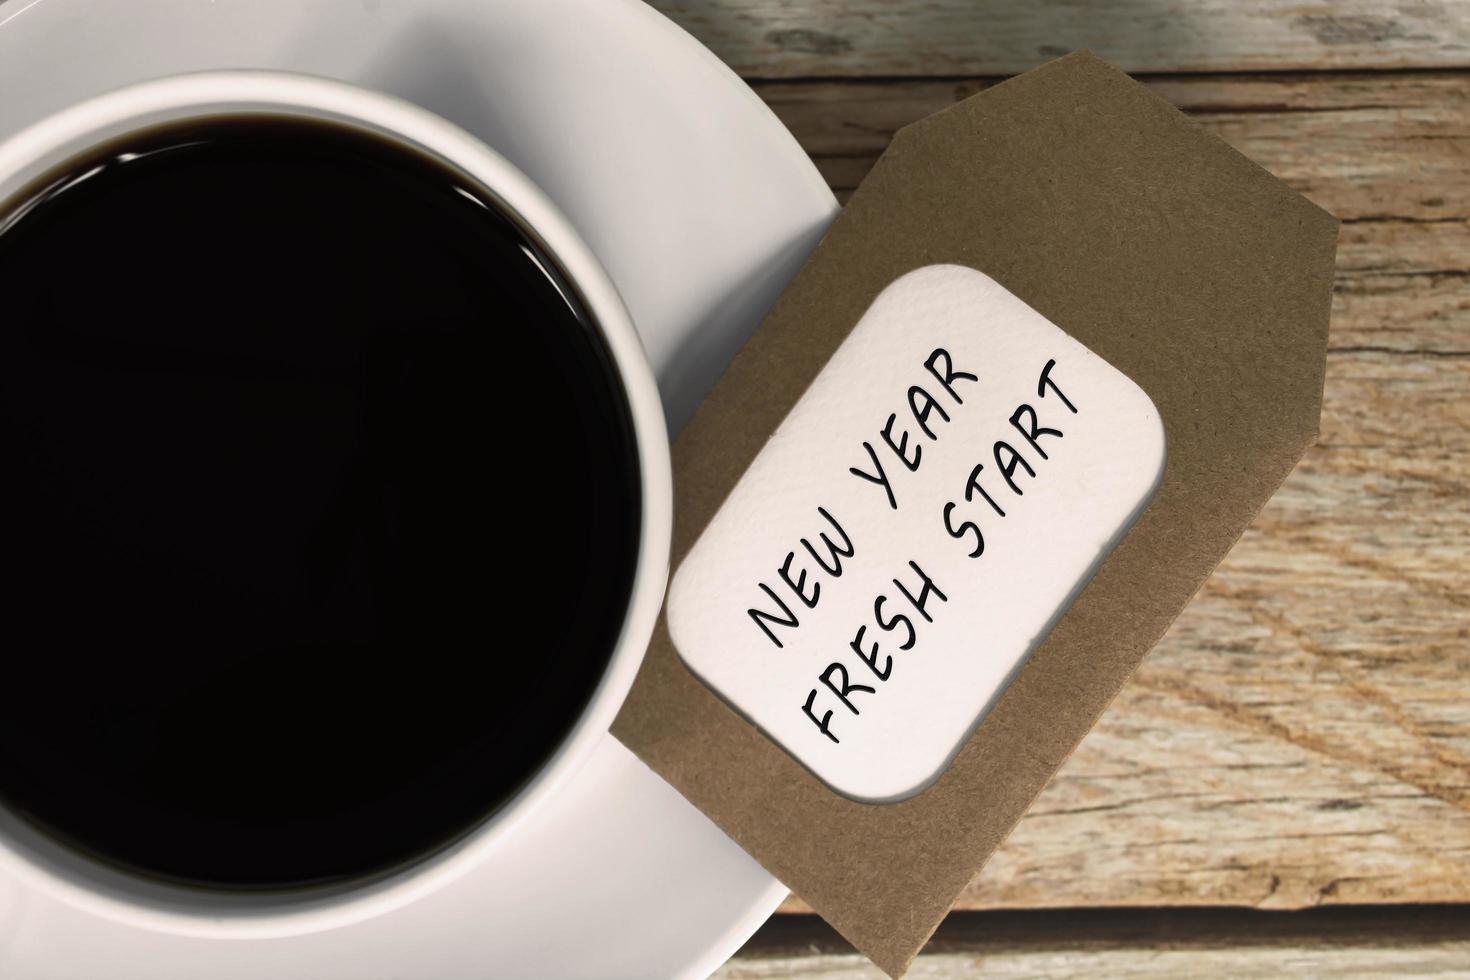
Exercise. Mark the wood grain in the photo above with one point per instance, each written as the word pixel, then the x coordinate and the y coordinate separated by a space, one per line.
pixel 824 38
pixel 1302 736
pixel 1366 943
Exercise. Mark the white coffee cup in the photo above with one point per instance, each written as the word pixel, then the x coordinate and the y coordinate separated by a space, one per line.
pixel 47 146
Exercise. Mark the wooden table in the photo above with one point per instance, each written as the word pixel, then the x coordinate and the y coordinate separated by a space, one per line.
pixel 1301 739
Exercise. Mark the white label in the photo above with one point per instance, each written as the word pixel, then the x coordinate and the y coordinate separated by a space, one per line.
pixel 913 529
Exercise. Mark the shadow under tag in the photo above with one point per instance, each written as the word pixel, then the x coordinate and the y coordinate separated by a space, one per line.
pixel 1044 286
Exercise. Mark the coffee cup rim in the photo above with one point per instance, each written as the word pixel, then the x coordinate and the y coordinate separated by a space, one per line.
pixel 84 882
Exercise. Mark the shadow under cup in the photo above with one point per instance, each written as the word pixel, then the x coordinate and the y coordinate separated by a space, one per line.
pixel 321 505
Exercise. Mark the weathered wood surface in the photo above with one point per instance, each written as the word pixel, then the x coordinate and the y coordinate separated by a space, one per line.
pixel 1302 736
pixel 849 38
pixel 1371 944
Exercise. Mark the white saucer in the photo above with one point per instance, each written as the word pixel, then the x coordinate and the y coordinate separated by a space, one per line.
pixel 701 206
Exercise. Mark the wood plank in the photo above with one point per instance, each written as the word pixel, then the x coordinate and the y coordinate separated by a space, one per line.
pixel 1368 943
pixel 1302 735
pixel 850 38
pixel 1362 146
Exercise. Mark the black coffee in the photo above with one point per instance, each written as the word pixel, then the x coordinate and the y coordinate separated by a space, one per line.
pixel 319 505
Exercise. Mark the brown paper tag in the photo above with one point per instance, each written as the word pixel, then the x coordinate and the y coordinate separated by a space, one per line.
pixel 1191 272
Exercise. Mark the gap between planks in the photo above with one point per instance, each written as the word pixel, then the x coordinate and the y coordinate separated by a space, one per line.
pixel 1155 943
